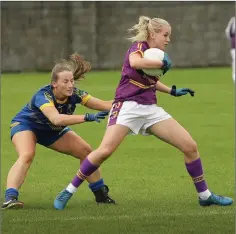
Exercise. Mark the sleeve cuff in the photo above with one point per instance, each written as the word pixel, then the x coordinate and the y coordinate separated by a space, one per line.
pixel 45 105
pixel 85 99
pixel 137 51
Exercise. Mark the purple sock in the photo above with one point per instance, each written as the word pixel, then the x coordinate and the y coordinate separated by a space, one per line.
pixel 86 169
pixel 195 171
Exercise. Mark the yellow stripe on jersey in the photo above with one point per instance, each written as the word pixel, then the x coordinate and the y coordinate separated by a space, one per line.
pixel 45 105
pixel 140 85
pixel 137 51
pixel 14 124
pixel 140 46
pixel 85 99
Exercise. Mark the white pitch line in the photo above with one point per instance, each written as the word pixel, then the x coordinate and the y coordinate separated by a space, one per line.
pixel 161 214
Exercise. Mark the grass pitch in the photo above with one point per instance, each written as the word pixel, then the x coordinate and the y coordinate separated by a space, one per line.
pixel 146 177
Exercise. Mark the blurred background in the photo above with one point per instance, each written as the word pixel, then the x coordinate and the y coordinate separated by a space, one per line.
pixel 35 34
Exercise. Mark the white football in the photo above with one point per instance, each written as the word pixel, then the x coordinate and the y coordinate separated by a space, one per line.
pixel 153 54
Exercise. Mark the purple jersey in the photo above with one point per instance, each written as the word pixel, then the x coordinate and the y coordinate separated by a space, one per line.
pixel 134 84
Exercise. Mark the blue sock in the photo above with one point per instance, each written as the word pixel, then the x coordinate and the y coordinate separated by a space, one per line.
pixel 11 193
pixel 96 185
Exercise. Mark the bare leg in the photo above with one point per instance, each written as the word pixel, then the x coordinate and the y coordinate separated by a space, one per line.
pixel 24 143
pixel 112 139
pixel 74 145
pixel 173 133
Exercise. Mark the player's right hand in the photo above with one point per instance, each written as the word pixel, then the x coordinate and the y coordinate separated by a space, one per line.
pixel 95 117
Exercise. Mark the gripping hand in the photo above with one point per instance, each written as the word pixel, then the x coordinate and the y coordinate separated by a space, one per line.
pixel 180 92
pixel 96 117
pixel 166 63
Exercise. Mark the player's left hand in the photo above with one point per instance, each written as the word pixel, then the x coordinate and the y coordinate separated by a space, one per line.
pixel 180 92
pixel 96 117
pixel 166 63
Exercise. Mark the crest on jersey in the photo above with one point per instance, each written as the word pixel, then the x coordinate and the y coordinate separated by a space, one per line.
pixel 48 97
pixel 114 114
pixel 82 94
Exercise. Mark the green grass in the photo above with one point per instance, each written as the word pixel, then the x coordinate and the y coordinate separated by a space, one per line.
pixel 147 177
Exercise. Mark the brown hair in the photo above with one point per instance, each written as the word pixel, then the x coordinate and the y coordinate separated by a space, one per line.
pixel 77 65
pixel 145 26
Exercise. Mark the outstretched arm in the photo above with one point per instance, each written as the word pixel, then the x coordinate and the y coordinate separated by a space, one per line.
pixel 64 120
pixel 98 104
pixel 162 88
pixel 173 90
pixel 60 119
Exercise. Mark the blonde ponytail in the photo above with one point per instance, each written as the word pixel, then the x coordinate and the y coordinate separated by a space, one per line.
pixel 146 26
pixel 141 29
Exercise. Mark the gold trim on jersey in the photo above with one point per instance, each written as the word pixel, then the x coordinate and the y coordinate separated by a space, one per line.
pixel 140 51
pixel 14 124
pixel 46 105
pixel 140 85
pixel 140 46
pixel 85 99
pixel 62 102
pixel 59 101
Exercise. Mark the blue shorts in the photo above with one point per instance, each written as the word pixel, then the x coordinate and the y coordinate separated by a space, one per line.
pixel 45 138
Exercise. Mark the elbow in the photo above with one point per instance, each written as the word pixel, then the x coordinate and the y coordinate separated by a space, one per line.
pixel 137 63
pixel 57 121
pixel 133 64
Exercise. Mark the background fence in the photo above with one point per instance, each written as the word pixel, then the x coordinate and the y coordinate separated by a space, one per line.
pixel 35 34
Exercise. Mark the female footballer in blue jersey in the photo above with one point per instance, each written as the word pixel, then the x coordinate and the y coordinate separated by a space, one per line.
pixel 135 110
pixel 44 120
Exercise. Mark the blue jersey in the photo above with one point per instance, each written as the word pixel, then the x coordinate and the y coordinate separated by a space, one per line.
pixel 32 114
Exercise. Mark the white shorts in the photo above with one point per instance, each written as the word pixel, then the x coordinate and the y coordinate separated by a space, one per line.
pixel 136 117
